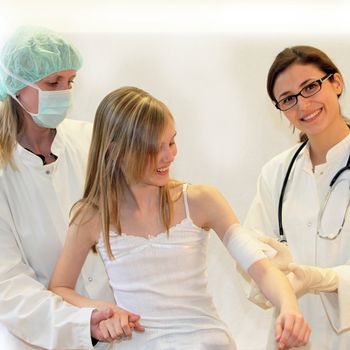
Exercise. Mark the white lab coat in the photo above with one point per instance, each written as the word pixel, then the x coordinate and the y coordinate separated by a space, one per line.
pixel 327 313
pixel 35 201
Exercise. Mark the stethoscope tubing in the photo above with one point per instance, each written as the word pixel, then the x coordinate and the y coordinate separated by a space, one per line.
pixel 283 237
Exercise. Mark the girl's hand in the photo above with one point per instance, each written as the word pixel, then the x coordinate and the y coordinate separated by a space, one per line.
pixel 292 330
pixel 119 325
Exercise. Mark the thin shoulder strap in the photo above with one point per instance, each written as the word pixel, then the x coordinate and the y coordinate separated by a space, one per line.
pixel 184 191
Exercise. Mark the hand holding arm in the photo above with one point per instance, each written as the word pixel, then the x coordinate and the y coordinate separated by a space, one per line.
pixel 79 240
pixel 306 278
pixel 291 328
pixel 303 278
pixel 113 323
pixel 211 210
pixel 280 255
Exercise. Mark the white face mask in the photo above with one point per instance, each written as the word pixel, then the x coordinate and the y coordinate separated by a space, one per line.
pixel 52 107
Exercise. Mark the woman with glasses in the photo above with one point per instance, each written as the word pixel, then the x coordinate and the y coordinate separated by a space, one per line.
pixel 303 193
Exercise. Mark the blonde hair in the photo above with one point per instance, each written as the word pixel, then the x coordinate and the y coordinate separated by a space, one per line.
pixel 127 127
pixel 10 127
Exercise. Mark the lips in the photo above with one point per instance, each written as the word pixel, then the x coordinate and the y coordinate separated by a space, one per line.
pixel 312 116
pixel 162 171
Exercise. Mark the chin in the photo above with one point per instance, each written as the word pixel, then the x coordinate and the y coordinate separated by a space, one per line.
pixel 163 182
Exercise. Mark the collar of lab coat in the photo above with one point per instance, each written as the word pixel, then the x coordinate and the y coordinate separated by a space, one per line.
pixel 333 155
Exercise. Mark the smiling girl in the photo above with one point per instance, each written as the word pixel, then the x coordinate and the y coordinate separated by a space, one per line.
pixel 152 233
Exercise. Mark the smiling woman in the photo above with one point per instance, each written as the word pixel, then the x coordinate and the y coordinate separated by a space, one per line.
pixel 303 194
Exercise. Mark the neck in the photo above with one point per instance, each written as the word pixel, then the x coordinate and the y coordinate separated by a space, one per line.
pixel 320 144
pixel 143 198
pixel 38 140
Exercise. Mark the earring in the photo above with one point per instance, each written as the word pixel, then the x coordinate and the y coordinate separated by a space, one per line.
pixel 293 127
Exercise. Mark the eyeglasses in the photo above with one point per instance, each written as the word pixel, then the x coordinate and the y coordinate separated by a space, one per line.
pixel 307 91
pixel 331 220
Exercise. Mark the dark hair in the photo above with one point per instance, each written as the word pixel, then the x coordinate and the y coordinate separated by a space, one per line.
pixel 298 55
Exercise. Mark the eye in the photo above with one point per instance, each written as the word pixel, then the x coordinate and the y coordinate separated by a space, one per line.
pixel 287 100
pixel 311 87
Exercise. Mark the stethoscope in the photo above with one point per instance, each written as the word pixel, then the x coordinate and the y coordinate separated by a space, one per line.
pixel 283 238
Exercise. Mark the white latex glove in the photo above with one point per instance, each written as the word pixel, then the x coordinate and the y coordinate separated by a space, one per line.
pixel 283 256
pixel 305 278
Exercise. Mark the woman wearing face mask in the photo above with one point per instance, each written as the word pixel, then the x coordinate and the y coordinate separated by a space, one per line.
pixel 314 210
pixel 42 159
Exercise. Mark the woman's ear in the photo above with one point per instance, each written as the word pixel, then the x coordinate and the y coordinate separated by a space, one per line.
pixel 338 83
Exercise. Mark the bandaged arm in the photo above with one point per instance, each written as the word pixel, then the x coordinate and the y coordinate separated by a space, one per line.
pixel 247 250
pixel 242 246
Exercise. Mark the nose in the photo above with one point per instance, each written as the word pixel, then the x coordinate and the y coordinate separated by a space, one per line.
pixel 169 154
pixel 303 102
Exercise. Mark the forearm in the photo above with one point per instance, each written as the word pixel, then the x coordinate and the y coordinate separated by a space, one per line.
pixel 291 329
pixel 274 285
pixel 76 299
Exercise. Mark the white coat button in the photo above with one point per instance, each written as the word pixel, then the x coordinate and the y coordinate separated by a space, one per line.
pixel 309 224
pixel 47 172
pixel 90 279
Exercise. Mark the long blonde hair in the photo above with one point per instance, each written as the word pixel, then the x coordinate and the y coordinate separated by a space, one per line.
pixel 10 127
pixel 127 127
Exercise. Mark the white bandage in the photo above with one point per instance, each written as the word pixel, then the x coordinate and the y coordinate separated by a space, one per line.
pixel 243 246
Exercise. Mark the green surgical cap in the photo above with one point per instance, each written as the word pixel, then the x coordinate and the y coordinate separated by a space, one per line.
pixel 31 54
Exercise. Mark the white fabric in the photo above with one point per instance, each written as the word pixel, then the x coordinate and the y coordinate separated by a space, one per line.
pixel 34 208
pixel 327 313
pixel 164 279
pixel 242 246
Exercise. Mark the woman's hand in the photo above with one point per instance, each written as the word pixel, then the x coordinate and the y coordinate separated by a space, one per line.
pixel 291 330
pixel 118 325
pixel 283 257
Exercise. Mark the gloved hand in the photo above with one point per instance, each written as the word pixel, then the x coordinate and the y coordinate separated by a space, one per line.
pixel 302 278
pixel 305 278
pixel 283 257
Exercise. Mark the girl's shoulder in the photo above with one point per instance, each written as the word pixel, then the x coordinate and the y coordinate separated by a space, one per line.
pixel 203 198
pixel 85 219
pixel 195 192
pixel 202 191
